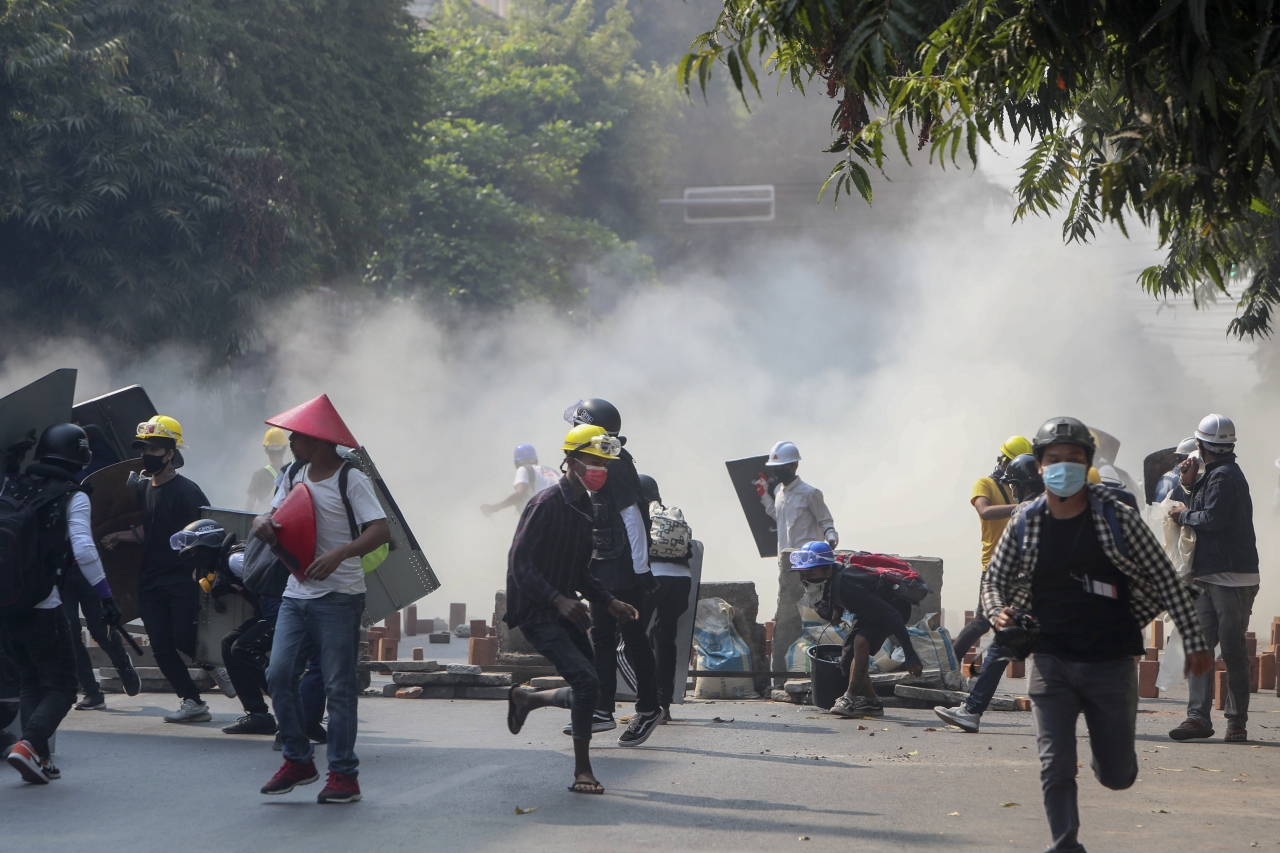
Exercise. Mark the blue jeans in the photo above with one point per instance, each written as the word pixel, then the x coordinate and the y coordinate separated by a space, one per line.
pixel 988 681
pixel 569 651
pixel 332 624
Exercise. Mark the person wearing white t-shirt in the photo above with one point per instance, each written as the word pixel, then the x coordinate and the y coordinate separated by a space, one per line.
pixel 324 606
pixel 531 478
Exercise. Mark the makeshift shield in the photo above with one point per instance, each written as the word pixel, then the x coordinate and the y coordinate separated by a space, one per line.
pixel 25 413
pixel 115 506
pixel 117 414
pixel 405 576
pixel 744 473
pixel 221 616
pixel 297 532
pixel 1155 466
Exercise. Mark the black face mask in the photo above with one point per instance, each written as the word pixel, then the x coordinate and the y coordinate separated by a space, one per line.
pixel 153 464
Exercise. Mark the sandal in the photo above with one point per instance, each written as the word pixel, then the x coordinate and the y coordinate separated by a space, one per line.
pixel 584 786
pixel 515 721
pixel 1235 734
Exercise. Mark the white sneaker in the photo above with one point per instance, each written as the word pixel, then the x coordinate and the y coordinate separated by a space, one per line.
pixel 223 678
pixel 190 711
pixel 959 717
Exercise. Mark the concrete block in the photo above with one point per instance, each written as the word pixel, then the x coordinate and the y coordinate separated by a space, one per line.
pixel 780 696
pixel 457 615
pixel 439 693
pixel 443 679
pixel 438 638
pixel 1148 670
pixel 547 682
pixel 390 690
pixel 413 666
pixel 1220 689
pixel 1267 671
pixel 484 692
pixel 411 620
pixel 409 693
pixel 463 669
pixel 417 652
pixel 742 596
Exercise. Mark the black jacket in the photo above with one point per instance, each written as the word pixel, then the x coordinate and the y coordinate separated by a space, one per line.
pixel 1222 516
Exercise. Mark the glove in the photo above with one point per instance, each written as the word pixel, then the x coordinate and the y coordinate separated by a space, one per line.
pixel 762 485
pixel 111 614
pixel 833 539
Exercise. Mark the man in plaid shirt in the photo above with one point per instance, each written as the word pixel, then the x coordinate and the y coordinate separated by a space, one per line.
pixel 1090 570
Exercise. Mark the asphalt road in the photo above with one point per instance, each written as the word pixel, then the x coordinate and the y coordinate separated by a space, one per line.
pixel 441 775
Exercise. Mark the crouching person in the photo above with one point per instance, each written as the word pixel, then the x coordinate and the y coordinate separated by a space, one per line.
pixel 323 603
pixel 548 565
pixel 1092 573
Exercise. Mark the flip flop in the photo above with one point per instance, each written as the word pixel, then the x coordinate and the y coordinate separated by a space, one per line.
pixel 585 787
pixel 513 723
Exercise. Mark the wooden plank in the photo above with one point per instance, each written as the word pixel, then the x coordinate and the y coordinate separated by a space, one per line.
pixel 1001 702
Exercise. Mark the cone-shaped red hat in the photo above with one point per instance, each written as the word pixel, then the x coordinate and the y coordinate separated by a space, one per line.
pixel 318 419
pixel 297 532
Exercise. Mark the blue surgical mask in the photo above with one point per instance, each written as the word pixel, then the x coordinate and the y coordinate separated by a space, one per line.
pixel 1064 479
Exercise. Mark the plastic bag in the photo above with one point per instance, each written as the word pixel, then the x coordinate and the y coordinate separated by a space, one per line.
pixel 720 649
pixel 1172 662
pixel 932 645
pixel 1179 540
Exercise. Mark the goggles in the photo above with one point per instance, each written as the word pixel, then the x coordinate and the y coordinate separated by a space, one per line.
pixel 602 445
pixel 209 537
pixel 149 430
pixel 574 415
pixel 801 560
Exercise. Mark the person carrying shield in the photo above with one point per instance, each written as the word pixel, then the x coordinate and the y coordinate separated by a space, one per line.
pixel 326 522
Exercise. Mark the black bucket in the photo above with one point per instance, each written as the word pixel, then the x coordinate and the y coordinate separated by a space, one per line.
pixel 826 680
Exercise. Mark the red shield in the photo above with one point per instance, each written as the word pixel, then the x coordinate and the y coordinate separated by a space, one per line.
pixel 297 531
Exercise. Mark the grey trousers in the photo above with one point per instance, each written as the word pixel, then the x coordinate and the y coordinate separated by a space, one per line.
pixel 1107 693
pixel 1224 613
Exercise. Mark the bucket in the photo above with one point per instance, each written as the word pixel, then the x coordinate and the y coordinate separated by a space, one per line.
pixel 828 683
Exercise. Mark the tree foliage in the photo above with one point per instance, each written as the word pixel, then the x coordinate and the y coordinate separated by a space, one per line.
pixel 1163 110
pixel 525 110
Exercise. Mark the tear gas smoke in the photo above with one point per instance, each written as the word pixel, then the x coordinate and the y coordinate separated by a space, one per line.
pixel 897 362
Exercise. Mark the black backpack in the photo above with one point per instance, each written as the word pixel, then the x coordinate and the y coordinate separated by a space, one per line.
pixel 31 542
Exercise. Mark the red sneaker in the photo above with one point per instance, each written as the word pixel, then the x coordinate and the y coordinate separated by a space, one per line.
pixel 26 761
pixel 291 775
pixel 340 788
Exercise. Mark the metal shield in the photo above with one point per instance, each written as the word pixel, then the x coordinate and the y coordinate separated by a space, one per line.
pixel 115 506
pixel 118 415
pixel 297 533
pixel 216 620
pixel 405 576
pixel 1155 466
pixel 26 412
pixel 744 473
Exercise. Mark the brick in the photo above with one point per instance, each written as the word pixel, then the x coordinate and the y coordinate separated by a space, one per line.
pixel 1251 643
pixel 411 620
pixel 375 634
pixel 1148 671
pixel 1017 669
pixel 482 651
pixel 1267 671
pixel 479 628
pixel 435 639
pixel 1153 654
pixel 1253 674
pixel 393 625
pixel 1022 703
pixel 409 693
pixel 387 649
pixel 457 615
pixel 484 692
pixel 1220 689
pixel 1219 665
pixel 768 629
pixel 1157 634
pixel 440 679
pixel 417 652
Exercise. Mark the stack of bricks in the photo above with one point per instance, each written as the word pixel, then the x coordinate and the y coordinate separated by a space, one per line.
pixel 482 649
pixel 457 682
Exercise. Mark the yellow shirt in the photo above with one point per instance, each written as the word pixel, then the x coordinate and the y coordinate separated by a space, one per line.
pixel 991 529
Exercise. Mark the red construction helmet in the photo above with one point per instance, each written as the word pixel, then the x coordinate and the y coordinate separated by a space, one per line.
pixel 297 531
pixel 318 419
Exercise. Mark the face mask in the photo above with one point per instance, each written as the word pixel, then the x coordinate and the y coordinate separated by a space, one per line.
pixel 153 464
pixel 1064 479
pixel 594 478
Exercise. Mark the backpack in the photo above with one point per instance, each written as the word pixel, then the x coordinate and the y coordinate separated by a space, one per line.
pixel 1108 514
pixel 29 545
pixel 669 534
pixel 892 578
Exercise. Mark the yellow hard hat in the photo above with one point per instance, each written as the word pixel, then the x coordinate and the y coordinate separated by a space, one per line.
pixel 592 440
pixel 1093 476
pixel 1015 447
pixel 275 438
pixel 160 426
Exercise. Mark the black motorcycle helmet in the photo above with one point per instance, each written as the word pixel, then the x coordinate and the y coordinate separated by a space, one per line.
pixel 597 412
pixel 649 489
pixel 1063 431
pixel 64 445
pixel 1023 473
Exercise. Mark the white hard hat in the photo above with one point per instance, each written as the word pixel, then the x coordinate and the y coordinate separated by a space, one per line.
pixel 1216 429
pixel 783 453
pixel 1186 447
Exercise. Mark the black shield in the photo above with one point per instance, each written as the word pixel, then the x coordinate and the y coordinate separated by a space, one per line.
pixel 25 413
pixel 744 473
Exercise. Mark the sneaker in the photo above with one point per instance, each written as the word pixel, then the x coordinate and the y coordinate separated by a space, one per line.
pixel 190 711
pixel 843 707
pixel 642 725
pixel 223 678
pixel 129 678
pixel 290 775
pixel 339 788
pixel 864 707
pixel 92 703
pixel 49 770
pixel 261 723
pixel 1190 729
pixel 317 733
pixel 602 721
pixel 24 759
pixel 959 717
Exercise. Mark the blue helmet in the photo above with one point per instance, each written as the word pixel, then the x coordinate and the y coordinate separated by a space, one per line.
pixel 525 454
pixel 812 555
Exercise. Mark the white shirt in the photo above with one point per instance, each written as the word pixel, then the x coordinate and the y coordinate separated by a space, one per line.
pixel 333 529
pixel 670 570
pixel 80 532
pixel 801 513
pixel 638 538
pixel 536 477
pixel 236 564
